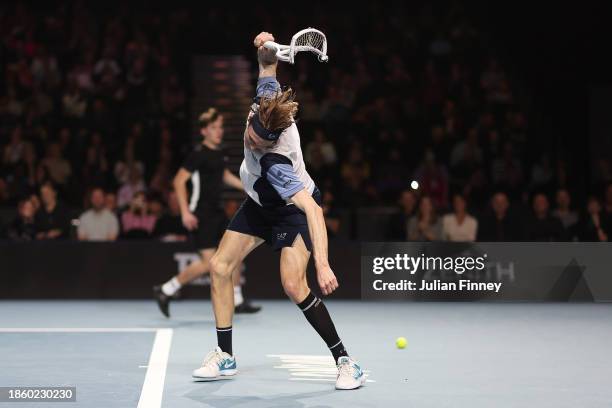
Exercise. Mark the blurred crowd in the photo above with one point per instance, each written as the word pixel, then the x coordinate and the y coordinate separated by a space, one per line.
pixel 538 219
pixel 95 120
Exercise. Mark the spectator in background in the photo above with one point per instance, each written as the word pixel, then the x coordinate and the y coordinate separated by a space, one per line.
pixel 543 226
pixel 44 69
pixel 439 144
pixel 82 73
pixel 162 178
pixel 10 105
pixel 14 151
pixel 35 202
pixel 459 226
pixel 106 71
pixel 326 149
pixel 74 103
pixel 497 225
pixel 564 213
pixel 507 171
pixel 23 228
pixel 129 164
pixel 542 174
pixel 155 205
pixel 56 166
pixel 398 226
pixel 52 220
pixel 98 223
pixel 129 190
pixel 23 175
pixel 172 96
pixel 317 169
pixel 391 174
pixel 355 176
pixel 136 221
pixel 594 227
pixel 425 225
pixel 433 179
pixel 96 167
pixel 467 154
pixel 110 202
pixel 169 227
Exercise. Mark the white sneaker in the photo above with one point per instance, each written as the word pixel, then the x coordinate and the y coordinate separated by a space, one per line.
pixel 350 375
pixel 216 364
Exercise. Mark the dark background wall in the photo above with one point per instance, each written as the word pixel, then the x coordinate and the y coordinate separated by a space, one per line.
pixel 126 270
pixel 123 270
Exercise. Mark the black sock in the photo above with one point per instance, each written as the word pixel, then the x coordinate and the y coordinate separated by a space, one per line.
pixel 224 339
pixel 317 315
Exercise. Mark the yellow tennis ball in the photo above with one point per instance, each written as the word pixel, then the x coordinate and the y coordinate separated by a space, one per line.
pixel 401 342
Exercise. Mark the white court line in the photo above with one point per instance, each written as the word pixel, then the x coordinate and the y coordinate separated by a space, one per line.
pixel 76 329
pixel 153 387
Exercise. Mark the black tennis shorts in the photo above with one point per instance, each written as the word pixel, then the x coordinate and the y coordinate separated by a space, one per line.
pixel 278 226
pixel 211 226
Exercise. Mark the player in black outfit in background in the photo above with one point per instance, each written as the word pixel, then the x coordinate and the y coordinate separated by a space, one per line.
pixel 202 213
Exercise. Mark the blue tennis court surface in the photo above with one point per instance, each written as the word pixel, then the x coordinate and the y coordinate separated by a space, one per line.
pixel 124 354
pixel 103 366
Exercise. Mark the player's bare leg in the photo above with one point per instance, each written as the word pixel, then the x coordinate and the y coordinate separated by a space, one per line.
pixel 293 264
pixel 233 248
pixel 164 293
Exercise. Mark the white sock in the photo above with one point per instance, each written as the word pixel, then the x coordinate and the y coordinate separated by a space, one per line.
pixel 238 299
pixel 171 287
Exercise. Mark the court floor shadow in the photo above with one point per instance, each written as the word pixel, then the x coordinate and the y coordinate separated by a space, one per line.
pixel 281 400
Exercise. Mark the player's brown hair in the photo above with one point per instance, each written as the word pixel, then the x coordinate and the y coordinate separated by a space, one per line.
pixel 277 113
pixel 207 117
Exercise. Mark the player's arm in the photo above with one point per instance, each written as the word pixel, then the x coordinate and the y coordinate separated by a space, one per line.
pixel 231 180
pixel 267 85
pixel 180 187
pixel 318 235
pixel 281 176
pixel 265 57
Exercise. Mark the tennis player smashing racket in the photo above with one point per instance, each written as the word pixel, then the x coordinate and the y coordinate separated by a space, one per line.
pixel 282 209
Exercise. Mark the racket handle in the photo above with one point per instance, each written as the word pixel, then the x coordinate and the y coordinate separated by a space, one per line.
pixel 271 45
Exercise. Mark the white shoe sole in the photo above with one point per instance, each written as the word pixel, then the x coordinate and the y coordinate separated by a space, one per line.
pixel 225 373
pixel 355 386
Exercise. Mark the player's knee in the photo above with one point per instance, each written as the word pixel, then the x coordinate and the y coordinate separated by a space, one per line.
pixel 294 288
pixel 220 269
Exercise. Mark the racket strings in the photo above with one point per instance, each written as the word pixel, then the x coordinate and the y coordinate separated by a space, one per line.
pixel 311 39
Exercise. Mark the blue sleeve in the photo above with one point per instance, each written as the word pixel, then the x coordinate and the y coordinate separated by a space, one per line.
pixel 279 173
pixel 267 87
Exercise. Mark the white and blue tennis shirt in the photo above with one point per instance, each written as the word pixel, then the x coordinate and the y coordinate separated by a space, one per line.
pixel 273 175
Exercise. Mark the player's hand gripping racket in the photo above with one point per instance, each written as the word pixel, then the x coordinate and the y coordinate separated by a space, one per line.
pixel 309 39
